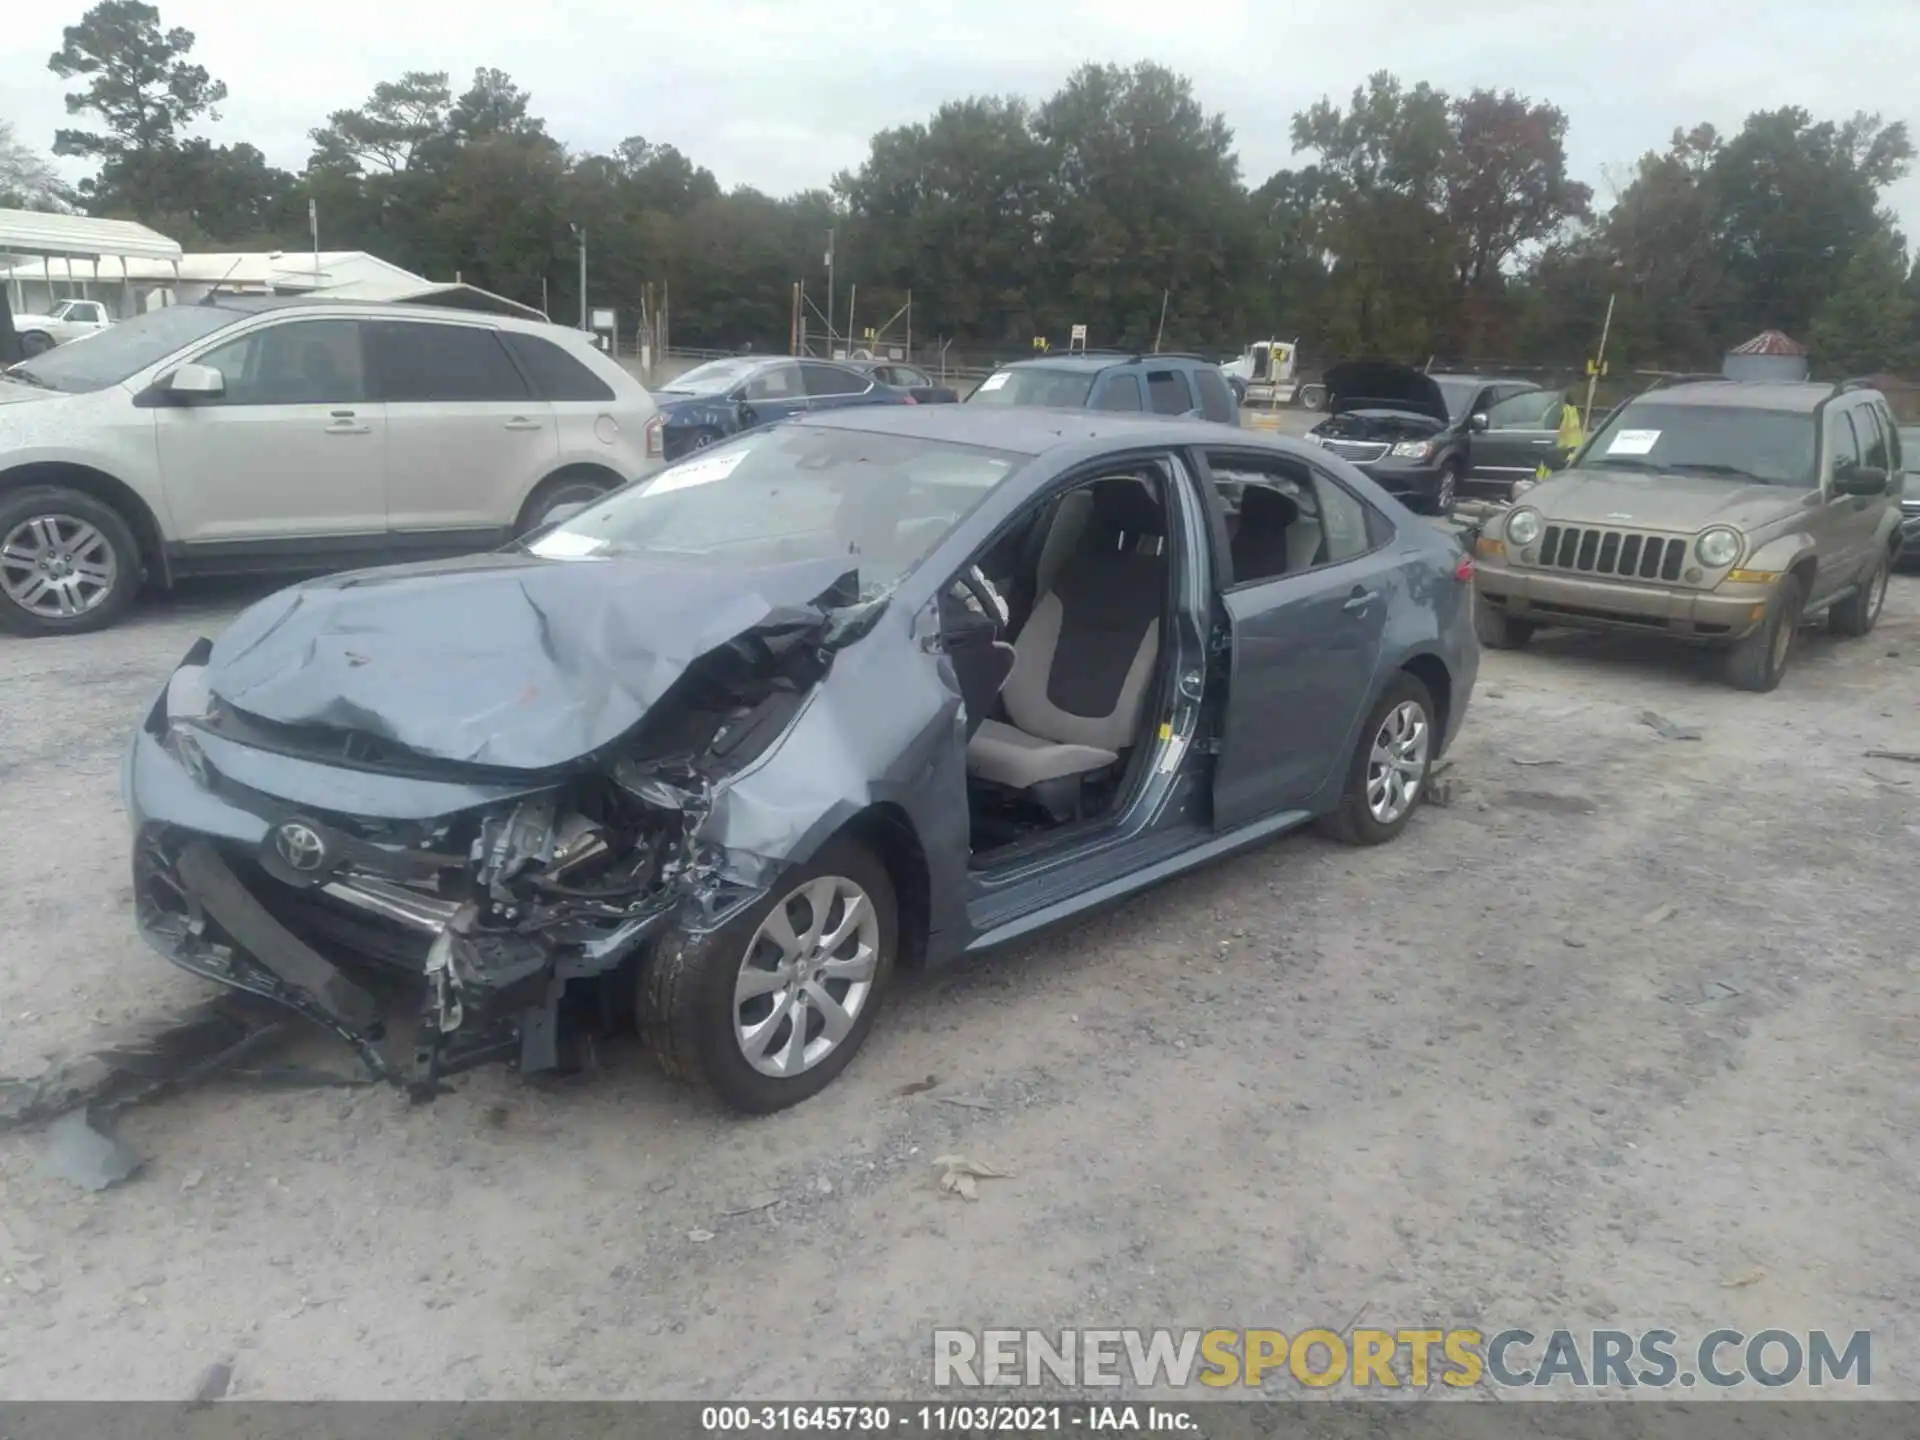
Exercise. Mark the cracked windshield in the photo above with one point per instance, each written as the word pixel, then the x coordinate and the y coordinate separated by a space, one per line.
pixel 1036 720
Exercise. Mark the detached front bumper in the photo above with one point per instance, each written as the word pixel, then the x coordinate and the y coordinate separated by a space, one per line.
pixel 350 948
pixel 1717 617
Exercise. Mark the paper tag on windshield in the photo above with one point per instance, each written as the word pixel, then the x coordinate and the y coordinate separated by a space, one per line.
pixel 696 472
pixel 994 382
pixel 560 545
pixel 1634 442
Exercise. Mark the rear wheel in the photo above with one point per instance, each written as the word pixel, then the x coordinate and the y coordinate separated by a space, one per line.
pixel 1860 612
pixel 68 562
pixel 1760 660
pixel 769 1009
pixel 1387 776
pixel 35 342
pixel 569 487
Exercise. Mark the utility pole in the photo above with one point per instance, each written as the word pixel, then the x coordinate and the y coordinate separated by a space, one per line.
pixel 580 233
pixel 1593 368
pixel 830 294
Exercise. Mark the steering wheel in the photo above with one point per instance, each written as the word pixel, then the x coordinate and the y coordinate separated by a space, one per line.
pixel 973 581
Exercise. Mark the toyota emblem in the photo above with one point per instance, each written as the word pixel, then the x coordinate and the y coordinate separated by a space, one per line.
pixel 300 846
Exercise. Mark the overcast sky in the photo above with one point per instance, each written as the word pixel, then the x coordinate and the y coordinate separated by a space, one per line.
pixel 782 95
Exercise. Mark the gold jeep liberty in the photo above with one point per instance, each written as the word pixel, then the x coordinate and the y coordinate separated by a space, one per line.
pixel 1716 512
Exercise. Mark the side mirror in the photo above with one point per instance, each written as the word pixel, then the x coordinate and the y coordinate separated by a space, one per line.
pixel 1477 422
pixel 1859 480
pixel 196 382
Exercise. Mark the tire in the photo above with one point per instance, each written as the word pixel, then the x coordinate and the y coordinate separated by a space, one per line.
pixel 1354 821
pixel 35 342
pixel 67 526
pixel 1758 662
pixel 566 488
pixel 1498 630
pixel 687 1001
pixel 1446 494
pixel 1856 615
pixel 1312 397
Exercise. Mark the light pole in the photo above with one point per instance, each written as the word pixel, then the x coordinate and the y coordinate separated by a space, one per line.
pixel 829 294
pixel 580 234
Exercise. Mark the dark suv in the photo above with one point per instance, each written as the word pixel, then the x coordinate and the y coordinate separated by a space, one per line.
pixel 1099 380
pixel 1416 435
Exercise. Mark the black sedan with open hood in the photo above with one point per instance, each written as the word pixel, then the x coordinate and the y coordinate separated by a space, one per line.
pixel 721 749
pixel 1410 431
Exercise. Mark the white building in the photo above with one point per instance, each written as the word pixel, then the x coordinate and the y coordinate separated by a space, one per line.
pixel 131 283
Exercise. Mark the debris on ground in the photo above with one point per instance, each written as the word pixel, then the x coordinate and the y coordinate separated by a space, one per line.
pixel 130 1065
pixel 1743 1279
pixel 958 1174
pixel 1524 760
pixel 966 1102
pixel 699 1237
pixel 1905 757
pixel 1720 990
pixel 90 1159
pixel 1665 728
pixel 759 1202
pixel 1658 913
pixel 1546 802
pixel 917 1087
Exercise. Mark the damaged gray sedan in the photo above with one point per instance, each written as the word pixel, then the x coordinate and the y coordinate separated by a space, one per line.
pixel 720 753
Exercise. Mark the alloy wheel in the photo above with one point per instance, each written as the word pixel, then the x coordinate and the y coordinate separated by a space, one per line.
pixel 1397 766
pixel 806 976
pixel 57 566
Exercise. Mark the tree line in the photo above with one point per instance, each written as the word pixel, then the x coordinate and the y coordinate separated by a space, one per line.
pixel 1415 224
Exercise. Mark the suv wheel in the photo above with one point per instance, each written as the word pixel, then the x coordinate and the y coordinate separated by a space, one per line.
pixel 1448 490
pixel 1860 612
pixel 35 342
pixel 68 562
pixel 1499 631
pixel 1757 662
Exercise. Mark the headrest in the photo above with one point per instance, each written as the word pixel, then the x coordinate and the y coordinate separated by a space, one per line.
pixel 1263 506
pixel 1124 507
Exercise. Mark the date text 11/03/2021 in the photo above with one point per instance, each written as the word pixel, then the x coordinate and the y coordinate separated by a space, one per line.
pixel 947 1419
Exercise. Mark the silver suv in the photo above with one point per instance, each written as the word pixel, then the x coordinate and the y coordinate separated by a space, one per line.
pixel 1720 513
pixel 269 435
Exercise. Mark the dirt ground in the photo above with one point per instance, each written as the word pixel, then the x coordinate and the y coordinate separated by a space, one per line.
pixel 1624 1036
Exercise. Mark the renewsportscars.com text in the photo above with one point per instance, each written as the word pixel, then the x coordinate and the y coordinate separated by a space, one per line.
pixel 1413 1358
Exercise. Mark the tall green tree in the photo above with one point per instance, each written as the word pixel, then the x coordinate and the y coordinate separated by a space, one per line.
pixel 1867 324
pixel 28 180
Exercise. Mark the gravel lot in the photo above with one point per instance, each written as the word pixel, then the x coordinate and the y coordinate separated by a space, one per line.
pixel 1463 1078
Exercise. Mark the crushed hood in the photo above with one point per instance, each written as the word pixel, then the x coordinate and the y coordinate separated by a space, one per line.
pixel 509 660
pixel 1382 385
pixel 1661 501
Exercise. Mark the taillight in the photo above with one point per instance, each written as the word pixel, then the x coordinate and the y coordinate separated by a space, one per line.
pixel 1464 570
pixel 656 445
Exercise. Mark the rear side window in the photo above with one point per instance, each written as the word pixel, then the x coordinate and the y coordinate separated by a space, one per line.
pixel 1119 392
pixel 1167 390
pixel 1216 400
pixel 419 361
pixel 555 374
pixel 832 380
pixel 1284 518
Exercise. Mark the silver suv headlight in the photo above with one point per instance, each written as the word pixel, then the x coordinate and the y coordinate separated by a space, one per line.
pixel 1718 547
pixel 1524 527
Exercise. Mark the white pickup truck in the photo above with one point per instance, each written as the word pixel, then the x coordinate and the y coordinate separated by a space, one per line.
pixel 70 320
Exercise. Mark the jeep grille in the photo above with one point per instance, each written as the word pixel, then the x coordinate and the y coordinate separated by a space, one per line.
pixel 1612 552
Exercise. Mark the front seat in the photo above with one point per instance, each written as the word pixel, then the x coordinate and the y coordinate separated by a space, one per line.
pixel 1084 661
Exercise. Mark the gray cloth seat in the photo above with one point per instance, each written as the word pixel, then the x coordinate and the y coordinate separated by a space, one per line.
pixel 1259 546
pixel 1083 663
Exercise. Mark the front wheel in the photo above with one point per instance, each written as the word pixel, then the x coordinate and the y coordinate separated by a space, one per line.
pixel 1759 661
pixel 1498 630
pixel 1387 776
pixel 770 1008
pixel 68 562
pixel 1447 493
pixel 35 342
pixel 1860 612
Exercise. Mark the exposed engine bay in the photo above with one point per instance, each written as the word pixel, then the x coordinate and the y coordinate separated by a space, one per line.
pixel 492 912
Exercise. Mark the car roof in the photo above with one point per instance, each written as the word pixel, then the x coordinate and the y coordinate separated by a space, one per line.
pixel 1097 360
pixel 266 304
pixel 1793 395
pixel 1026 429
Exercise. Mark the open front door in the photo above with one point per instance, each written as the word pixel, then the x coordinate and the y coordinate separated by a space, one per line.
pixel 1306 613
